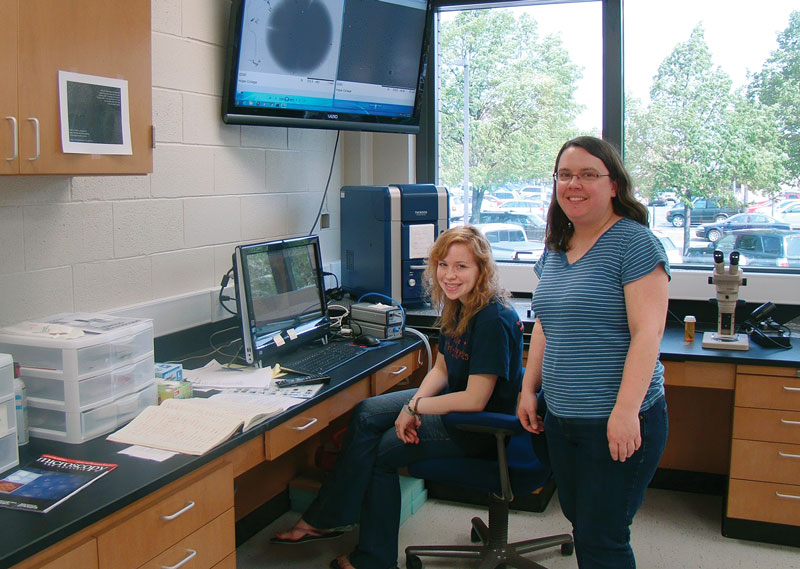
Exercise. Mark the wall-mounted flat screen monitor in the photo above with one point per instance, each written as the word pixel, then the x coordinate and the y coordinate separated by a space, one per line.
pixel 337 64
pixel 280 295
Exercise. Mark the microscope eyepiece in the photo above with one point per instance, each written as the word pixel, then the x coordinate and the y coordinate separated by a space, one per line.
pixel 734 258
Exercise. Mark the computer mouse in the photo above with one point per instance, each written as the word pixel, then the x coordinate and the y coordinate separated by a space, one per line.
pixel 367 340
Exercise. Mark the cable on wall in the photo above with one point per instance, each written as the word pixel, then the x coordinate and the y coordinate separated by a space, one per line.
pixel 327 184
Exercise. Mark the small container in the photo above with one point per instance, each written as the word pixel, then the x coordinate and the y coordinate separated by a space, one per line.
pixel 21 405
pixel 688 328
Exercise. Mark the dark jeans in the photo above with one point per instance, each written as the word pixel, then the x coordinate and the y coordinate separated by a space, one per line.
pixel 364 486
pixel 599 495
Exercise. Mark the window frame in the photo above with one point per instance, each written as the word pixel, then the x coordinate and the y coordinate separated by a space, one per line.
pixel 518 277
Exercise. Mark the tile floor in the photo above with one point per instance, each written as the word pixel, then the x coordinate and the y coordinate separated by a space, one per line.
pixel 673 530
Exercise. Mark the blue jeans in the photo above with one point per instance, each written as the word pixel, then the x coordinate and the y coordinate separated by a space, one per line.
pixel 599 495
pixel 364 487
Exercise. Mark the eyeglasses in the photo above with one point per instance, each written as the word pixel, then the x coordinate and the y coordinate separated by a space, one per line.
pixel 565 177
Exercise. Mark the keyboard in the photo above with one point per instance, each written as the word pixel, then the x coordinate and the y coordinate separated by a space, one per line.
pixel 322 359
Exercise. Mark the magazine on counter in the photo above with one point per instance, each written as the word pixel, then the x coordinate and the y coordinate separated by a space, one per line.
pixel 49 480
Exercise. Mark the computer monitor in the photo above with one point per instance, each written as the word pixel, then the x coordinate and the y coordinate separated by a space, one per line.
pixel 280 295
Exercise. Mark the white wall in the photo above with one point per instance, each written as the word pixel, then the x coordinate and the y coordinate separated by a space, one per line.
pixel 158 245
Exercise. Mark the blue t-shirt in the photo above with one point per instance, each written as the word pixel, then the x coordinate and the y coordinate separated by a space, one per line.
pixel 582 310
pixel 491 345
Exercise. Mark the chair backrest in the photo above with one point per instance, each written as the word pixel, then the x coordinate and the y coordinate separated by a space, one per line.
pixel 526 471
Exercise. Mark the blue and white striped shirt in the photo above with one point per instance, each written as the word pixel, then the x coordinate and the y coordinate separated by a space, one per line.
pixel 582 310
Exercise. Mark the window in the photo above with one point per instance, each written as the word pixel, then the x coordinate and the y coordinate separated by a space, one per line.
pixel 707 87
pixel 513 83
pixel 738 145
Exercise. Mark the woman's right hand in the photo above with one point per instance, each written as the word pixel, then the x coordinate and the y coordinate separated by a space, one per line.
pixel 527 413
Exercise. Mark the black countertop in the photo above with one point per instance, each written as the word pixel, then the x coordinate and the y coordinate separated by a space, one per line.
pixel 27 533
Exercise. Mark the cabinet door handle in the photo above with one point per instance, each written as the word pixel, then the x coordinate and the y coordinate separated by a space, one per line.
pixel 35 122
pixel 307 425
pixel 14 138
pixel 790 496
pixel 189 505
pixel 399 371
pixel 788 422
pixel 787 455
pixel 787 388
pixel 190 555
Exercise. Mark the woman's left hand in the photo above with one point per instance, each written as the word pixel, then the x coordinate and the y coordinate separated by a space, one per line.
pixel 406 427
pixel 624 434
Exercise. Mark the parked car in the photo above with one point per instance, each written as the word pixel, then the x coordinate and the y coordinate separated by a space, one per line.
pixel 534 225
pixel 522 206
pixel 791 214
pixel 757 248
pixel 715 231
pixel 673 253
pixel 509 242
pixel 703 211
pixel 776 209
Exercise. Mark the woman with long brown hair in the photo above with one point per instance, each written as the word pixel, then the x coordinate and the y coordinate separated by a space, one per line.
pixel 479 367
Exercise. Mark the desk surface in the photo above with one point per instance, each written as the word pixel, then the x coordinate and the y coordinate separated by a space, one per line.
pixel 26 533
pixel 673 346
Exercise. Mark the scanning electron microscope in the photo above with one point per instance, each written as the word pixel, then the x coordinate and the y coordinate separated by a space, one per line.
pixel 727 283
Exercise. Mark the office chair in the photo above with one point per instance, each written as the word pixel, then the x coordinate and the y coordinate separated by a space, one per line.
pixel 515 469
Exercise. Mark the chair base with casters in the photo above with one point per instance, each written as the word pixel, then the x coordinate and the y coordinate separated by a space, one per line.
pixel 515 469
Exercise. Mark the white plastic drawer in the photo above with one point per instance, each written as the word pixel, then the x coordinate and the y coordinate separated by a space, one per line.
pixel 82 426
pixel 78 358
pixel 6 374
pixel 50 391
pixel 8 415
pixel 9 452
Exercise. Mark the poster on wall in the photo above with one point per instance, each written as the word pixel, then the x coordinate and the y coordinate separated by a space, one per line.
pixel 95 115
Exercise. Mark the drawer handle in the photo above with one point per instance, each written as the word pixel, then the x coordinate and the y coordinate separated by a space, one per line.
pixel 787 388
pixel 787 455
pixel 184 561
pixel 788 422
pixel 189 505
pixel 790 496
pixel 14 139
pixel 307 425
pixel 399 371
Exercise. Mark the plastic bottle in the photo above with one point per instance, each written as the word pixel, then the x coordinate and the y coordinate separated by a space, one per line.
pixel 688 328
pixel 21 404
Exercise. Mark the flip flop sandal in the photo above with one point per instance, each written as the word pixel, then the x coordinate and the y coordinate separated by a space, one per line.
pixel 310 535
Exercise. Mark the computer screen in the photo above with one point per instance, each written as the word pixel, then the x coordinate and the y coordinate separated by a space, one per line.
pixel 280 295
pixel 337 64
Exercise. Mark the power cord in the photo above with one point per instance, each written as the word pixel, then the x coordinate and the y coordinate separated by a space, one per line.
pixel 336 293
pixel 224 297
pixel 327 184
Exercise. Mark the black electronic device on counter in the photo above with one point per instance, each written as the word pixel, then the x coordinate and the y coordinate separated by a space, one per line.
pixel 764 331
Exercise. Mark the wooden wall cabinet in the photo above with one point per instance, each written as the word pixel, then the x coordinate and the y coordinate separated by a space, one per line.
pixel 39 38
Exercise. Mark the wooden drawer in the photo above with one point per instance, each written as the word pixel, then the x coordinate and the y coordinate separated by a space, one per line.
pixel 764 502
pixel 768 392
pixel 766 425
pixel 203 549
pixel 345 400
pixel 769 370
pixel 294 431
pixel 700 374
pixel 228 563
pixel 83 556
pixel 183 508
pixel 389 376
pixel 765 462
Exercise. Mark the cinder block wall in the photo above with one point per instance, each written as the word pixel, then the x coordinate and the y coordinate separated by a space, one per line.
pixel 158 245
